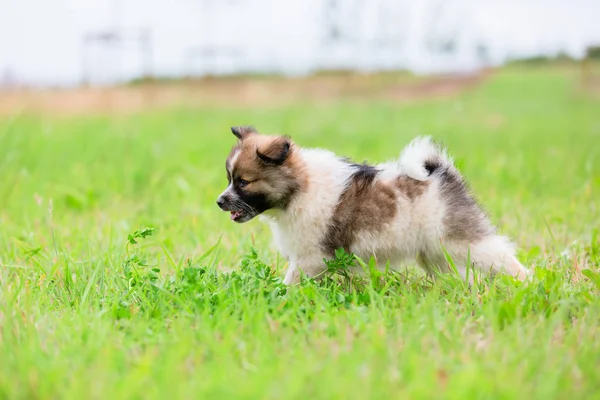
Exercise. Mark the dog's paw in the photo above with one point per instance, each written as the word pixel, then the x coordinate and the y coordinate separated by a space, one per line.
pixel 292 276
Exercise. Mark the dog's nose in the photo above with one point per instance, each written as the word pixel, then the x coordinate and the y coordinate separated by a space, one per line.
pixel 221 201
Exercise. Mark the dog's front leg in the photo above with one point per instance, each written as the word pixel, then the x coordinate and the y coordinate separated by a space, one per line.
pixel 312 268
pixel 292 276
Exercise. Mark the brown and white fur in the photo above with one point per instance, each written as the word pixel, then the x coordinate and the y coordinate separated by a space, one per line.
pixel 316 202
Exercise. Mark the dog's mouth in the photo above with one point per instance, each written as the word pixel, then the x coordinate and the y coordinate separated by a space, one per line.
pixel 238 211
pixel 237 215
pixel 241 216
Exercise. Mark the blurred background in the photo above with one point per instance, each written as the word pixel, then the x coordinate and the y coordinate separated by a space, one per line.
pixel 95 44
pixel 99 42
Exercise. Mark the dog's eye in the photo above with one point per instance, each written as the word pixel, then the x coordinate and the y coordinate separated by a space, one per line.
pixel 242 183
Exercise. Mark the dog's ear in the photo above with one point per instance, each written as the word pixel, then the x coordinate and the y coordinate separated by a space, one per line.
pixel 242 132
pixel 276 151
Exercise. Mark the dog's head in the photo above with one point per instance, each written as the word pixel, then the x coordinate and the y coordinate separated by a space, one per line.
pixel 264 172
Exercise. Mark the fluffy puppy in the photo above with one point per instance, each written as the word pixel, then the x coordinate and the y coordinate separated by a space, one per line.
pixel 316 202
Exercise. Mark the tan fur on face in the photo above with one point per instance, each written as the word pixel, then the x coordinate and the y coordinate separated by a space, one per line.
pixel 278 183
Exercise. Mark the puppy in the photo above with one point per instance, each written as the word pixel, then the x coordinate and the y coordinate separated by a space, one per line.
pixel 316 202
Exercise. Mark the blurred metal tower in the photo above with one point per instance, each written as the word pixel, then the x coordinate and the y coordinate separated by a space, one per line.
pixel 116 40
pixel 113 41
pixel 204 58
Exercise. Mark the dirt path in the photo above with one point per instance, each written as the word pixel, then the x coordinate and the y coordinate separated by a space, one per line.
pixel 234 92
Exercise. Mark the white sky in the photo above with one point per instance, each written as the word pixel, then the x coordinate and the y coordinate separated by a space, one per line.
pixel 40 40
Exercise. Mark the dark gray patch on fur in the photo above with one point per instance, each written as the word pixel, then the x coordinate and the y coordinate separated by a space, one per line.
pixel 365 204
pixel 464 219
pixel 432 165
pixel 364 176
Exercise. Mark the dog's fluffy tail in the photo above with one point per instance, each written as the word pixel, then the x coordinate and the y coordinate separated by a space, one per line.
pixel 423 158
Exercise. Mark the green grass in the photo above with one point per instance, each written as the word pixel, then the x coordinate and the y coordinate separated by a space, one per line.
pixel 90 309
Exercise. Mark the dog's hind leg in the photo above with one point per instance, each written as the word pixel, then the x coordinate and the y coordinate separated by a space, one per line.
pixel 496 253
pixel 436 262
pixel 491 255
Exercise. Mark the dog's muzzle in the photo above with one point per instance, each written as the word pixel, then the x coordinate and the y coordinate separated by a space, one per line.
pixel 221 202
pixel 226 202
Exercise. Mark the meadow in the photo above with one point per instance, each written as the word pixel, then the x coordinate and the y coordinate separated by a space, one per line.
pixel 120 277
